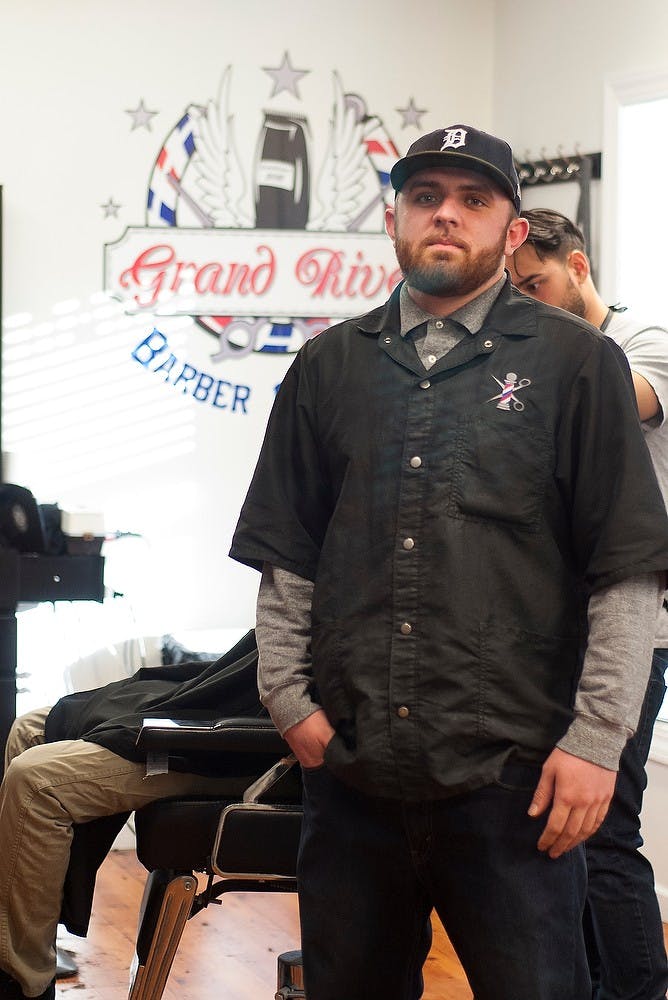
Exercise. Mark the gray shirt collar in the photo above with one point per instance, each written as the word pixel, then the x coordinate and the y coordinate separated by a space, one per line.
pixel 471 316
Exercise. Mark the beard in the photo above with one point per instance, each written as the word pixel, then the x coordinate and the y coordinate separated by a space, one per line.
pixel 441 276
pixel 573 302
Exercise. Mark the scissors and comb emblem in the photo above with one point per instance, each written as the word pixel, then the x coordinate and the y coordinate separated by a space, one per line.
pixel 510 385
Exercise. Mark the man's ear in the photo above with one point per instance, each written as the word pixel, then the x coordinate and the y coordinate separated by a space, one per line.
pixel 518 230
pixel 389 222
pixel 577 263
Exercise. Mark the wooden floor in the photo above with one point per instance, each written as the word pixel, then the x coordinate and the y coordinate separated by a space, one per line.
pixel 228 952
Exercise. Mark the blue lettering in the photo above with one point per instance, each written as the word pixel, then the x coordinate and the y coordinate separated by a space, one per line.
pixel 167 366
pixel 204 383
pixel 241 394
pixel 220 392
pixel 152 351
pixel 187 374
pixel 201 386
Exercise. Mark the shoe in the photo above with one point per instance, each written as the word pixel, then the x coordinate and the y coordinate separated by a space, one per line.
pixel 65 965
pixel 11 990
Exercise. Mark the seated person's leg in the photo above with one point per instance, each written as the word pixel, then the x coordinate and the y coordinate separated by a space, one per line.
pixel 47 789
pixel 27 731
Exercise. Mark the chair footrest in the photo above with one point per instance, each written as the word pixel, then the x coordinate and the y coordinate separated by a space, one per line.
pixel 246 830
pixel 178 834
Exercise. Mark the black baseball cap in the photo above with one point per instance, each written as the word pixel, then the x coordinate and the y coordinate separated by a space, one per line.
pixel 465 147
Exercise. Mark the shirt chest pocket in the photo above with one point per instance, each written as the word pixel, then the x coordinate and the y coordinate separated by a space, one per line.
pixel 500 471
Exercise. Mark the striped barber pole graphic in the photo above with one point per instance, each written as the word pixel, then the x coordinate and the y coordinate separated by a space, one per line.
pixel 507 392
pixel 165 183
pixel 382 153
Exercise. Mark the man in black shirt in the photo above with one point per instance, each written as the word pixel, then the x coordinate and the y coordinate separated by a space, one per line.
pixel 448 487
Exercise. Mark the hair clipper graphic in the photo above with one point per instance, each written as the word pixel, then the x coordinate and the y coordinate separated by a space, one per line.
pixel 282 188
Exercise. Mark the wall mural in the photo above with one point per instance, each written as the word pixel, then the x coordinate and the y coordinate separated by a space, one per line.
pixel 264 239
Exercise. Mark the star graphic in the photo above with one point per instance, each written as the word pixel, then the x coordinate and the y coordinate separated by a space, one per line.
pixel 141 116
pixel 411 114
pixel 285 76
pixel 110 208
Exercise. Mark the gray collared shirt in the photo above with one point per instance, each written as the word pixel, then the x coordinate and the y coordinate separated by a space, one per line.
pixel 434 336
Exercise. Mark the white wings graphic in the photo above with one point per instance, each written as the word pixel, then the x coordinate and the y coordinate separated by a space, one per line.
pixel 341 180
pixel 219 176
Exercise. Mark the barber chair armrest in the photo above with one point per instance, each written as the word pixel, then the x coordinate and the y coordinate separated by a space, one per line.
pixel 213 735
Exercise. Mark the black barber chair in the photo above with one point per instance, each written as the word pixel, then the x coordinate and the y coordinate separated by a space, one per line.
pixel 242 843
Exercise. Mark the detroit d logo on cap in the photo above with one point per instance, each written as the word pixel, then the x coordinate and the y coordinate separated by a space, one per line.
pixel 453 138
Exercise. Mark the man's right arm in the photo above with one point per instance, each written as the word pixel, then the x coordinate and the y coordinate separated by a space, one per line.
pixel 646 398
pixel 285 677
pixel 646 350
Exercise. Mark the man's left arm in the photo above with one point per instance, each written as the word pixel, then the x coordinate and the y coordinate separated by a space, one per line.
pixel 578 777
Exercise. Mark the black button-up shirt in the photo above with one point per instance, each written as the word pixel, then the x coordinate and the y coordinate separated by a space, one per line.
pixel 452 523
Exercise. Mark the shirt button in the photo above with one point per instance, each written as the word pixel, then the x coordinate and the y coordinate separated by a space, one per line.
pixel 488 343
pixel 406 628
pixel 403 711
pixel 408 543
pixel 432 359
pixel 439 324
pixel 388 340
pixel 425 384
pixel 415 462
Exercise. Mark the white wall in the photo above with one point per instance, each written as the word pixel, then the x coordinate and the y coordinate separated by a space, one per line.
pixel 552 60
pixel 112 435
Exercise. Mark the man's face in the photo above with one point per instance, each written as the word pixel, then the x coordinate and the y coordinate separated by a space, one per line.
pixel 450 230
pixel 550 280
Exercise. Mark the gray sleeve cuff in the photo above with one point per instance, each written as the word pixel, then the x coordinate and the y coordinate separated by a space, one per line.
pixel 283 632
pixel 595 740
pixel 622 624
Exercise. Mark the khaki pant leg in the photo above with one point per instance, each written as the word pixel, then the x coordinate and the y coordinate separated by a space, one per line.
pixel 46 789
pixel 27 731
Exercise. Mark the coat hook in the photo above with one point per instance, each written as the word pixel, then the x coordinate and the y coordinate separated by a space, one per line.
pixel 557 166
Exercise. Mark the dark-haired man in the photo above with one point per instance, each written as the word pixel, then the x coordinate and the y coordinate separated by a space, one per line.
pixel 433 503
pixel 625 933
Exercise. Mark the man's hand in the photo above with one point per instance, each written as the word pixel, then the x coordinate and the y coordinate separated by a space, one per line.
pixel 308 739
pixel 580 793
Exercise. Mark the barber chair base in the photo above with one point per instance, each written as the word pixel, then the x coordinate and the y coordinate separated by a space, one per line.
pixel 247 842
pixel 175 901
pixel 290 976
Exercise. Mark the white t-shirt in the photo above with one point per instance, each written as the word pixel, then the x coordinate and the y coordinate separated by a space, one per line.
pixel 646 349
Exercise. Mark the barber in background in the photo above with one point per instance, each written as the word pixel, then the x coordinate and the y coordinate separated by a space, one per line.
pixel 625 935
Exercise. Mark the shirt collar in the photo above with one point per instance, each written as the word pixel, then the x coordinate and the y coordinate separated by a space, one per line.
pixel 471 316
pixel 513 314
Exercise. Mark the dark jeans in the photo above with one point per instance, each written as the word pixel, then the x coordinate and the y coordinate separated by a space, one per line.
pixel 370 870
pixel 623 928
